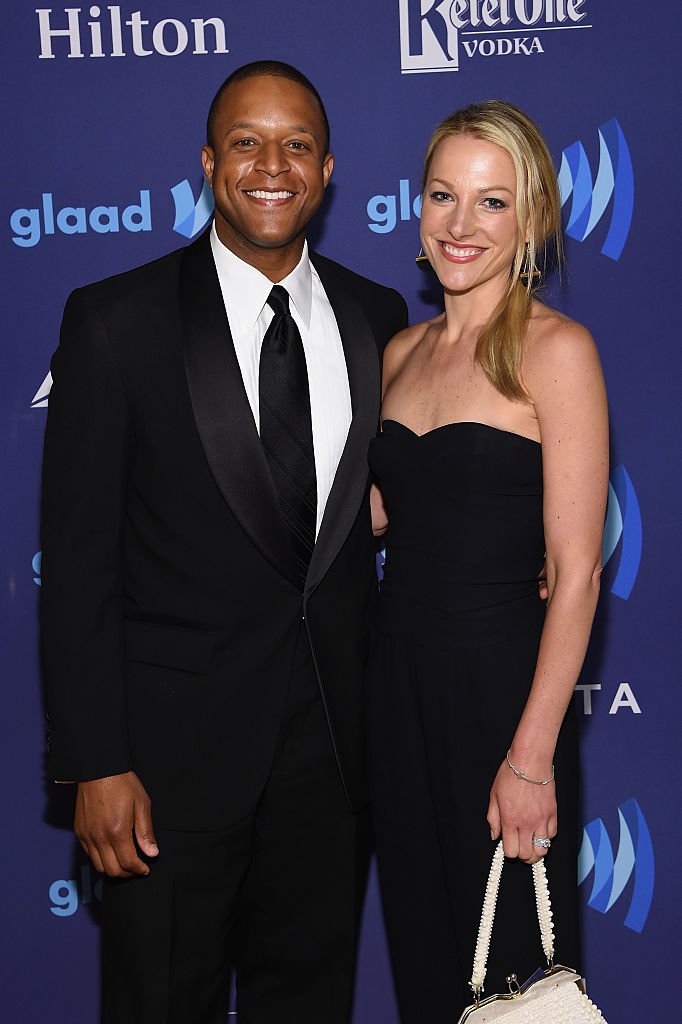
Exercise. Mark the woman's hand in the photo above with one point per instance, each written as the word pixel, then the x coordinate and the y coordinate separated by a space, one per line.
pixel 379 516
pixel 519 810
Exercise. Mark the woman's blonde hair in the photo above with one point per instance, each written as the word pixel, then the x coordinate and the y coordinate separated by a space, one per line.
pixel 538 205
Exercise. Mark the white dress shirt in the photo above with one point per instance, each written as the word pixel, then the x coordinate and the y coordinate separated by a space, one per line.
pixel 245 292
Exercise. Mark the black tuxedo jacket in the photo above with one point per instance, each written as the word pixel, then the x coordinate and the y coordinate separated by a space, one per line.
pixel 170 607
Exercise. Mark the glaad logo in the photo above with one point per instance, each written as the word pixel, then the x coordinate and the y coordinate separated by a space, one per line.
pixel 383 210
pixel 430 30
pixel 614 179
pixel 624 698
pixel 66 894
pixel 611 874
pixel 40 399
pixel 169 37
pixel 190 216
pixel 29 225
pixel 623 521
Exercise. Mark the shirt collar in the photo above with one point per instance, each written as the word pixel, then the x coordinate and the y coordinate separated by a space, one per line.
pixel 245 290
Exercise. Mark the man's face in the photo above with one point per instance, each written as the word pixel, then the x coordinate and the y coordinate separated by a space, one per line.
pixel 268 168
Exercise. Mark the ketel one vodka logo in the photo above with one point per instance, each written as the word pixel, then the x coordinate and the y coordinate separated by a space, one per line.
pixel 436 35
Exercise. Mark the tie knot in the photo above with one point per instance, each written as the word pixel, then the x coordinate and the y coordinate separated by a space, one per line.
pixel 278 299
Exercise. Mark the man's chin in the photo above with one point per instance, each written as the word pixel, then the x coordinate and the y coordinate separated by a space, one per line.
pixel 262 240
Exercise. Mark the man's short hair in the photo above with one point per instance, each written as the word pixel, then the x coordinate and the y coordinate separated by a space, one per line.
pixel 277 69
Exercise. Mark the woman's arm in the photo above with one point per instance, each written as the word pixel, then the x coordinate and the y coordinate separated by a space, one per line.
pixel 379 516
pixel 563 375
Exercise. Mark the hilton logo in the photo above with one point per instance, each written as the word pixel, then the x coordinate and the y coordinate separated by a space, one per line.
pixel 109 35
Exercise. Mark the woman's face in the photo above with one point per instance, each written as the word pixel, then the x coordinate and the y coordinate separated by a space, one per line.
pixel 469 228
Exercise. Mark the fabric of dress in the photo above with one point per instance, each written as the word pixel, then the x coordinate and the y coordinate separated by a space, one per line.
pixel 453 660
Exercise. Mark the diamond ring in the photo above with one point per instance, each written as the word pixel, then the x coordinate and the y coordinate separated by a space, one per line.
pixel 544 843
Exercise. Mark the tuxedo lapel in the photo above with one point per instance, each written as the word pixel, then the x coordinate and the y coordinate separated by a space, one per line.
pixel 350 481
pixel 222 411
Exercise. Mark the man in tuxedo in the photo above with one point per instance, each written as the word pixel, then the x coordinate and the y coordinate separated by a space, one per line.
pixel 208 580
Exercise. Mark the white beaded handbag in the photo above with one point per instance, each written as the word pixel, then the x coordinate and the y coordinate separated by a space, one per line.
pixel 553 996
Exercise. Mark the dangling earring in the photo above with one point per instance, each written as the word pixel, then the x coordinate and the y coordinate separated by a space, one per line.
pixel 527 273
pixel 421 260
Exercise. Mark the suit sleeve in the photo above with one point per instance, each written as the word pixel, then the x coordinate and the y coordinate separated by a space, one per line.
pixel 386 312
pixel 401 318
pixel 85 477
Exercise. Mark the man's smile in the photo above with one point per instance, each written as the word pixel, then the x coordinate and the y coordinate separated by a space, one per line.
pixel 269 195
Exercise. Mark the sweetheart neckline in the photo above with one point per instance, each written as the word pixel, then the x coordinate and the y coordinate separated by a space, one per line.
pixel 460 423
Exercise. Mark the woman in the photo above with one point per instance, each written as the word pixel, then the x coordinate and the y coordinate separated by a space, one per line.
pixel 493 451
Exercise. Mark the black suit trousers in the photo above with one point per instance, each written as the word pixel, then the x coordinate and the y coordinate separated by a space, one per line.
pixel 277 896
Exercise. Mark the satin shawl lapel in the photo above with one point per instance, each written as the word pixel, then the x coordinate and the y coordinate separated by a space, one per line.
pixel 222 411
pixel 350 482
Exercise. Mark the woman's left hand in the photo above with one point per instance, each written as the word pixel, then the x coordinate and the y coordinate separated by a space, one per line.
pixel 519 811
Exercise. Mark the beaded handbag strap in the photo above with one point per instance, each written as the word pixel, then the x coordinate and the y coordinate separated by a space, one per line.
pixel 485 929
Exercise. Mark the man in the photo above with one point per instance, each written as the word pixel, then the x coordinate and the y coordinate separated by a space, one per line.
pixel 208 581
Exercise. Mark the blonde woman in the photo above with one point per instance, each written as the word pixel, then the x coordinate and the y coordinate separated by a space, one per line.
pixel 493 451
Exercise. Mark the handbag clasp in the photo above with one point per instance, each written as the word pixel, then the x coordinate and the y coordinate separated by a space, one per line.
pixel 514 987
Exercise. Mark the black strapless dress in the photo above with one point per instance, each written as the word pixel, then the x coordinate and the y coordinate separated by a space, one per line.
pixel 453 659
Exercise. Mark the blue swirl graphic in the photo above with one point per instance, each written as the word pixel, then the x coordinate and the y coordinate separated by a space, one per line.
pixel 635 857
pixel 190 216
pixel 623 521
pixel 623 190
pixel 35 565
pixel 603 186
pixel 615 179
pixel 581 182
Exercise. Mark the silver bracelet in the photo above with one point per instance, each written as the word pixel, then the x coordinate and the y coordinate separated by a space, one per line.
pixel 522 775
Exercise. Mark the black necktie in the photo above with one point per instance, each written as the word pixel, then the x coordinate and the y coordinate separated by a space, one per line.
pixel 286 430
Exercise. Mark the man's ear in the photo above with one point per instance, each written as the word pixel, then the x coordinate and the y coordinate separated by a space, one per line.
pixel 207 162
pixel 327 168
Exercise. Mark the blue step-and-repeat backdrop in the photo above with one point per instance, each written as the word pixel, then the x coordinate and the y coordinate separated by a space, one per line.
pixel 104 111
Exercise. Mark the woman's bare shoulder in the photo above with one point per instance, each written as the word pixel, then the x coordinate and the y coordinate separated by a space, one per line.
pixel 556 346
pixel 552 335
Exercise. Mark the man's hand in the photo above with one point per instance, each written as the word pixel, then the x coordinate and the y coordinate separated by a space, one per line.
pixel 108 812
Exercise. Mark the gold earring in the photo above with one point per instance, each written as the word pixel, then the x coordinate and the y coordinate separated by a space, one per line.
pixel 421 260
pixel 527 273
